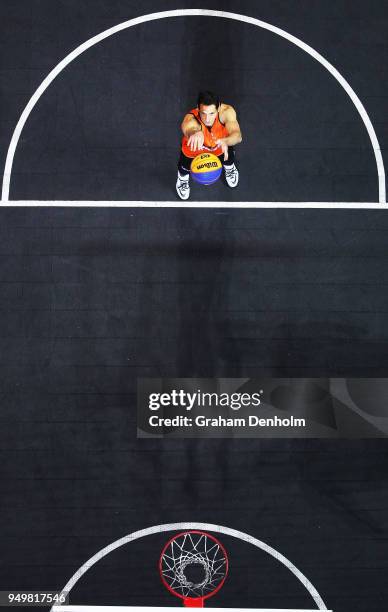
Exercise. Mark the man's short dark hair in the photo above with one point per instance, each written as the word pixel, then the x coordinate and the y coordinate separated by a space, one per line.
pixel 208 98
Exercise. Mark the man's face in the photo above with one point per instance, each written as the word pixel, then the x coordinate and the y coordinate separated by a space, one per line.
pixel 208 114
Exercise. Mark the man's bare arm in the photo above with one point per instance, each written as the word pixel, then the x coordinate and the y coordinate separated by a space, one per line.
pixel 190 125
pixel 229 118
pixel 193 132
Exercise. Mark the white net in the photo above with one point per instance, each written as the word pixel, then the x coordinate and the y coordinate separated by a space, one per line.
pixel 193 565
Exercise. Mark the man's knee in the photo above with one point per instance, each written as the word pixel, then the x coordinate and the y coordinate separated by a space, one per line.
pixel 184 164
pixel 230 160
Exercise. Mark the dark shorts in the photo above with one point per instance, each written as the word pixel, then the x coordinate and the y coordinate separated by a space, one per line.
pixel 185 162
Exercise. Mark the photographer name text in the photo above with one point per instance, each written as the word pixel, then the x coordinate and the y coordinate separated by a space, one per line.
pixel 251 420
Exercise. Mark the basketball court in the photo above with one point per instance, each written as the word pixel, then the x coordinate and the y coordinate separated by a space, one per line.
pixel 107 277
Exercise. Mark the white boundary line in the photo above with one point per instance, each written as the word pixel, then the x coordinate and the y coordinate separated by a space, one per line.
pixel 182 527
pixel 187 13
pixel 189 204
pixel 60 608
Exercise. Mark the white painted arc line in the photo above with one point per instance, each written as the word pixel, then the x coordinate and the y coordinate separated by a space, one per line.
pixel 187 13
pixel 191 204
pixel 203 527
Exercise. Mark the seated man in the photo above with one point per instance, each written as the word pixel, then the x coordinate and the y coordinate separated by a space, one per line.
pixel 211 127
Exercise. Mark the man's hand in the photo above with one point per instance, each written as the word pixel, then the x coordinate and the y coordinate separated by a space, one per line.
pixel 196 141
pixel 221 143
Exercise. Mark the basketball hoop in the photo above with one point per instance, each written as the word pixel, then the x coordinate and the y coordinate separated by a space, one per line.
pixel 193 566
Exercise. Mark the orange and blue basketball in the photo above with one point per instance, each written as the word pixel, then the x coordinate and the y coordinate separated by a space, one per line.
pixel 206 168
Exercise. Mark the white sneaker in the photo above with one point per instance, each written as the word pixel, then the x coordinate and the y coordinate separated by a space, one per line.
pixel 183 186
pixel 231 175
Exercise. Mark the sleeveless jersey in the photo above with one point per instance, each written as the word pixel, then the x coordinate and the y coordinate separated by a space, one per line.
pixel 218 130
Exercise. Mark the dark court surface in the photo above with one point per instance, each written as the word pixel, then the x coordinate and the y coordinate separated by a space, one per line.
pixel 91 299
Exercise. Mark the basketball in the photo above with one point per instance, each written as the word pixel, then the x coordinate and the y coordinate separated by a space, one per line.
pixel 206 168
